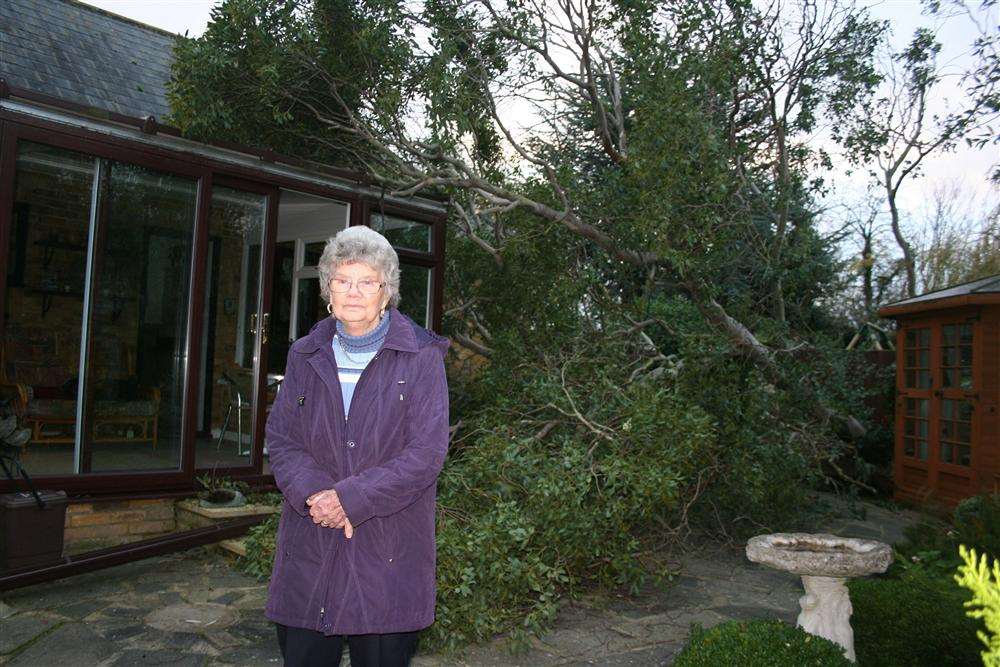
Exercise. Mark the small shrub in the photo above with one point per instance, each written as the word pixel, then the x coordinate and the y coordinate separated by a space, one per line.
pixel 260 548
pixel 759 642
pixel 977 524
pixel 984 582
pixel 916 619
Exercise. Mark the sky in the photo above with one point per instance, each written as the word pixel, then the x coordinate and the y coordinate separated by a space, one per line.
pixel 965 167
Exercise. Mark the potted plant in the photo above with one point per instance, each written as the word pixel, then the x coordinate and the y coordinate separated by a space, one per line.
pixel 221 491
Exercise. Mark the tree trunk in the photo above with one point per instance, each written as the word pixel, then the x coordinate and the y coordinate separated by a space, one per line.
pixel 909 263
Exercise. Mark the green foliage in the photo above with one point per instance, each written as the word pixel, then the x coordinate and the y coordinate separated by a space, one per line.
pixel 758 643
pixel 977 524
pixel 984 582
pixel 260 541
pixel 915 619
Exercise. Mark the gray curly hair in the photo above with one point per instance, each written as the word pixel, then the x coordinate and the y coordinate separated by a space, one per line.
pixel 365 245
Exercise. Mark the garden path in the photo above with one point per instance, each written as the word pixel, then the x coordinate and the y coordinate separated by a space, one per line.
pixel 191 608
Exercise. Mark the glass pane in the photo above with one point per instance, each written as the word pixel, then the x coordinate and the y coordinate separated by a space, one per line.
pixel 965 358
pixel 948 334
pixel 949 356
pixel 46 268
pixel 403 233
pixel 925 408
pixel 945 452
pixel 414 292
pixel 911 359
pixel 138 320
pixel 947 429
pixel 922 450
pixel 948 377
pixel 965 378
pixel 965 411
pixel 924 359
pixel 909 427
pixel 911 338
pixel 911 378
pixel 964 455
pixel 924 379
pixel 922 429
pixel 925 337
pixel 313 251
pixel 964 432
pixel 311 307
pixel 908 448
pixel 948 409
pixel 281 307
pixel 235 231
pixel 965 334
pixel 911 406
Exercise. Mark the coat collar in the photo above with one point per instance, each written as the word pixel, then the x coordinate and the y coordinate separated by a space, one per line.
pixel 401 335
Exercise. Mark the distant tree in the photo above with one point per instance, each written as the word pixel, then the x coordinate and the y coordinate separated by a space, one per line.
pixel 896 134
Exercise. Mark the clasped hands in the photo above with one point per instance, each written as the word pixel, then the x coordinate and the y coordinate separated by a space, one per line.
pixel 326 510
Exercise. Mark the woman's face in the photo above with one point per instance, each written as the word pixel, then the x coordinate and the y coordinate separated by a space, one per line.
pixel 357 309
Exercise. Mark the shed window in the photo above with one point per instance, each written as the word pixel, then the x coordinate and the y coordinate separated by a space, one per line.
pixel 956 355
pixel 956 432
pixel 915 428
pixel 917 363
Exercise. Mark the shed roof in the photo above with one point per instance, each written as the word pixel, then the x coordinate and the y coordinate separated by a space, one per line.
pixel 83 54
pixel 984 290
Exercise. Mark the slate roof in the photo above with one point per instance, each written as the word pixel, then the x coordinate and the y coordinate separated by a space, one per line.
pixel 82 54
pixel 988 285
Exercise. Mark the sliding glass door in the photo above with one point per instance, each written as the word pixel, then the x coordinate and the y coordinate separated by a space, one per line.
pixel 97 310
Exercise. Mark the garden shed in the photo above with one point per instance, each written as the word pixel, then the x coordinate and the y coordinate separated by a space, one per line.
pixel 947 443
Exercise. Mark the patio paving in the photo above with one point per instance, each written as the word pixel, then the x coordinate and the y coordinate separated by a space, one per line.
pixel 192 608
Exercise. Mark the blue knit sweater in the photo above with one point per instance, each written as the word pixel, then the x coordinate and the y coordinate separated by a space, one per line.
pixel 360 350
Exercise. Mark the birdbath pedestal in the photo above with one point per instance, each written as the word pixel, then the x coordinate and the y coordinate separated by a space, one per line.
pixel 825 563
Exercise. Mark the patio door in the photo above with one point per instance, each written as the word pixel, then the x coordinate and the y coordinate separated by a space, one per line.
pixel 937 420
pixel 235 389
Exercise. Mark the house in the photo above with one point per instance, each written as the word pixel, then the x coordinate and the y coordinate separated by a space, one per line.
pixel 152 285
pixel 948 391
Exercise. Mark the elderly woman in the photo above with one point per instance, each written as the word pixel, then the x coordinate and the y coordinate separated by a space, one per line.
pixel 357 437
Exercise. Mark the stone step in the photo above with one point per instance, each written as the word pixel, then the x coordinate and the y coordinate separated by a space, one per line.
pixel 237 546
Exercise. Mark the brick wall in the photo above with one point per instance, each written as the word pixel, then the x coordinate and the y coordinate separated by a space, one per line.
pixel 104 524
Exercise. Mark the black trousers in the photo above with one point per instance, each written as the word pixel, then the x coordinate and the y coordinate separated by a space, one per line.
pixel 308 648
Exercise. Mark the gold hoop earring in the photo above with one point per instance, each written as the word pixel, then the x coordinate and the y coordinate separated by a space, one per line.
pixel 329 308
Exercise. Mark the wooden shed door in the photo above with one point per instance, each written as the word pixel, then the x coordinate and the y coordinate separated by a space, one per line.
pixel 936 415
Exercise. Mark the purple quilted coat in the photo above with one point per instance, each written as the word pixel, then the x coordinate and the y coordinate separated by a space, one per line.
pixel 384 463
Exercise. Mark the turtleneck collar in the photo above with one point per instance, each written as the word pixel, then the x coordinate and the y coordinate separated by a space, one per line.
pixel 369 342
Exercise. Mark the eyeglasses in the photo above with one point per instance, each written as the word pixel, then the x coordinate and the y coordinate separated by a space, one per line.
pixel 366 286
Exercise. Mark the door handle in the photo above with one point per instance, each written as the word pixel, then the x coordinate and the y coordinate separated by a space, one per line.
pixel 265 323
pixel 253 323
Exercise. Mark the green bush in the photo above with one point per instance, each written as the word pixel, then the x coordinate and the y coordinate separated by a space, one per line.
pixel 758 643
pixel 916 619
pixel 977 524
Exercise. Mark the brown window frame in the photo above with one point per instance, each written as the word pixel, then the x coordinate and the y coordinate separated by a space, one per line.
pixel 15 127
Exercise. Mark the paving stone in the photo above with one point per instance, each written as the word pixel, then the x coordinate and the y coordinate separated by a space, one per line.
pixel 140 658
pixel 22 628
pixel 228 598
pixel 79 610
pixel 191 617
pixel 752 611
pixel 69 644
pixel 6 611
pixel 119 634
pixel 252 656
pixel 662 654
pixel 178 640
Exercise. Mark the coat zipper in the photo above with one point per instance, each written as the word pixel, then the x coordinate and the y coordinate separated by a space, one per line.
pixel 358 385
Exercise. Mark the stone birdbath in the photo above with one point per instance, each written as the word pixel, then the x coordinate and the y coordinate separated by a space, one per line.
pixel 825 563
